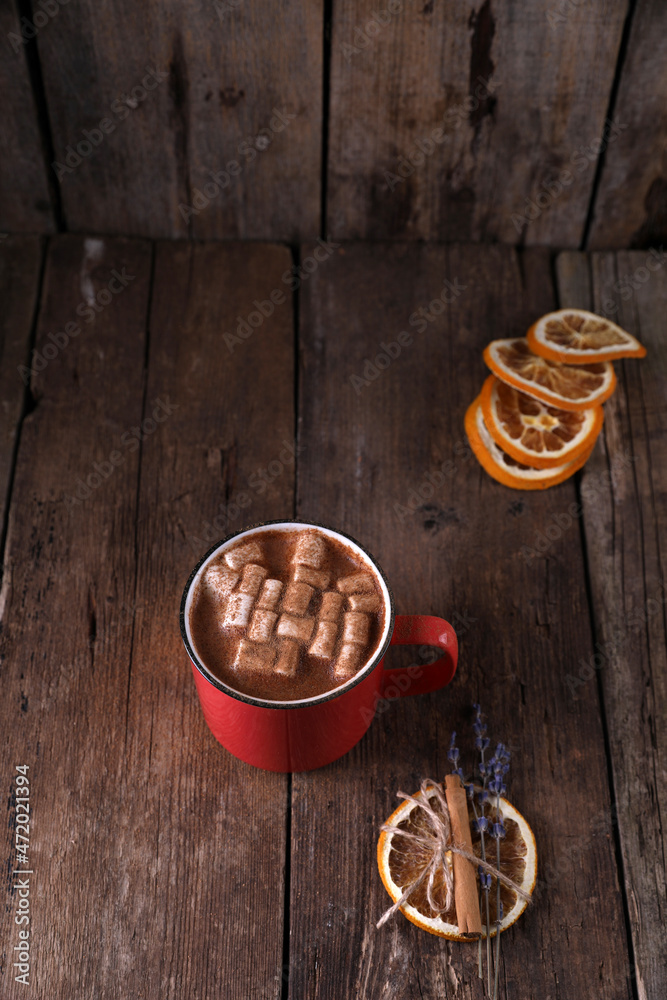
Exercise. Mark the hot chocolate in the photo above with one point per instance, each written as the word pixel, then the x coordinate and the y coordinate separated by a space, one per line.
pixel 285 615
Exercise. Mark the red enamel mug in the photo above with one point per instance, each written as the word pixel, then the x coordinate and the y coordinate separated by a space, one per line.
pixel 311 732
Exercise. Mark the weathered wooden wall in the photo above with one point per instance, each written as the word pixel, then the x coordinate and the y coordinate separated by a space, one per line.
pixel 538 122
pixel 631 204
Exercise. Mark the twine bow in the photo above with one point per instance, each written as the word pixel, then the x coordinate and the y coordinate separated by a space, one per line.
pixel 436 842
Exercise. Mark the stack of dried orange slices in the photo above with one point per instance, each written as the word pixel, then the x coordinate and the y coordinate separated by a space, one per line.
pixel 539 414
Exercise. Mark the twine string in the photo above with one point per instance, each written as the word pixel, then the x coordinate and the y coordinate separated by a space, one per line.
pixel 435 843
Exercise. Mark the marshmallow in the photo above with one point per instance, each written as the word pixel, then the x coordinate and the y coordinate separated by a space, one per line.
pixel 261 625
pixel 356 583
pixel 242 554
pixel 331 606
pixel 310 549
pixel 288 659
pixel 251 581
pixel 297 598
pixel 220 580
pixel 270 594
pixel 356 627
pixel 348 662
pixel 300 629
pixel 254 656
pixel 317 578
pixel 364 602
pixel 324 641
pixel 237 612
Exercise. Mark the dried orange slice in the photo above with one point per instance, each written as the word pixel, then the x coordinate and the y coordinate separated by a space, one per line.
pixel 577 337
pixel 399 863
pixel 505 469
pixel 569 387
pixel 533 432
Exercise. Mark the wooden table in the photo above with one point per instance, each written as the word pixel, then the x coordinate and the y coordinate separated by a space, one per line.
pixel 163 867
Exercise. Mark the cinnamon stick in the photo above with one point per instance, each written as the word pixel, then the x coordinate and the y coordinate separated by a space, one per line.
pixel 465 878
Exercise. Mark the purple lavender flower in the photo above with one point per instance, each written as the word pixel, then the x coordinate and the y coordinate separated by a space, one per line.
pixel 453 755
pixel 492 772
pixel 496 786
pixel 478 726
pixel 453 752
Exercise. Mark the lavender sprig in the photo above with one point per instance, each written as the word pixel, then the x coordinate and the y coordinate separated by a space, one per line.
pixel 492 773
pixel 481 743
pixel 499 920
pixel 453 755
pixel 500 765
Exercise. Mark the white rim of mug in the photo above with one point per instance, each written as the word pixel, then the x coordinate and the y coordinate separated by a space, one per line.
pixel 318 699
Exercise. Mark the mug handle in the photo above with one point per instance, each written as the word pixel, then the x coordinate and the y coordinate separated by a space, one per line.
pixel 421 630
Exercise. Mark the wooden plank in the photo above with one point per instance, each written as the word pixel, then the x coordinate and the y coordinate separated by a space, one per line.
pixel 625 523
pixel 521 620
pixel 20 263
pixel 66 575
pixel 633 166
pixel 156 855
pixel 221 832
pixel 184 93
pixel 25 200
pixel 498 82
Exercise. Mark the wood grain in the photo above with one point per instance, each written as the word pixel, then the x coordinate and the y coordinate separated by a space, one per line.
pixel 25 200
pixel 631 204
pixel 219 837
pixel 218 75
pixel 625 525
pixel 520 94
pixel 20 263
pixel 65 656
pixel 522 621
pixel 158 857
